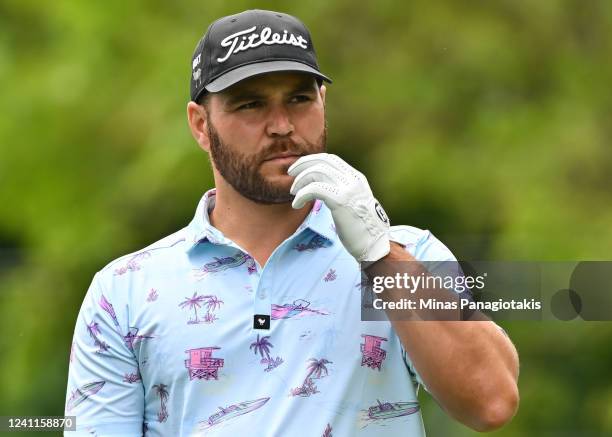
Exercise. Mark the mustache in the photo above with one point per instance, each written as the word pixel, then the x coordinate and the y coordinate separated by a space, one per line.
pixel 284 146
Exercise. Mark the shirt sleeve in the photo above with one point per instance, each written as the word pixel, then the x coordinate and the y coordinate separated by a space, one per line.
pixel 104 390
pixel 424 246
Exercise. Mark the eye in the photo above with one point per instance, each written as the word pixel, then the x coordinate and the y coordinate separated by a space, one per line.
pixel 249 105
pixel 300 98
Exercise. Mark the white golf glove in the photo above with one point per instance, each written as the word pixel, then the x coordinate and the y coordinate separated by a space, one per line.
pixel 361 223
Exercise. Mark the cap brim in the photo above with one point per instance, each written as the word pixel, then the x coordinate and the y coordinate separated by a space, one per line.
pixel 234 76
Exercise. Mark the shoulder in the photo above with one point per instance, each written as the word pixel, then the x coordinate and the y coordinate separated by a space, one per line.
pixel 421 243
pixel 147 257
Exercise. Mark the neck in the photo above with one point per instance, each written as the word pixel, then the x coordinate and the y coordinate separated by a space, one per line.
pixel 255 227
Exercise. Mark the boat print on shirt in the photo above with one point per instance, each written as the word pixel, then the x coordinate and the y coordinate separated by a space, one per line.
pixel 388 410
pixel 299 308
pixel 225 263
pixel 83 392
pixel 316 242
pixel 232 412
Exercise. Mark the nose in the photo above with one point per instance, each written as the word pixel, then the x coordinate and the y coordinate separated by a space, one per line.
pixel 279 122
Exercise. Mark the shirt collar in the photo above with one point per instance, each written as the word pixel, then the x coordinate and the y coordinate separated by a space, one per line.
pixel 319 220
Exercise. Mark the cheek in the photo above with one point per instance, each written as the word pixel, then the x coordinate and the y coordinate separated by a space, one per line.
pixel 243 135
pixel 311 127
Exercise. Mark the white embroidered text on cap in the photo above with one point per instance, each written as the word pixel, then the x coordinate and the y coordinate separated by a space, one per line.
pixel 265 37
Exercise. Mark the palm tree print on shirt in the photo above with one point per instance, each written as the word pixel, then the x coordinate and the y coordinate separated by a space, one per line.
pixel 316 369
pixel 162 393
pixel 262 345
pixel 197 301
pixel 211 305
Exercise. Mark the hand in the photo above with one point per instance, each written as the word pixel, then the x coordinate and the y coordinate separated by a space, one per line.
pixel 361 223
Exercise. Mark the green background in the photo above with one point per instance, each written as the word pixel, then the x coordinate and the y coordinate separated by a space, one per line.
pixel 486 122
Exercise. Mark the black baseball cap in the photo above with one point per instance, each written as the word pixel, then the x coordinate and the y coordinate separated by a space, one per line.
pixel 247 44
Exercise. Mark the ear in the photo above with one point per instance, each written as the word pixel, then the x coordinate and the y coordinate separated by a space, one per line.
pixel 198 123
pixel 323 91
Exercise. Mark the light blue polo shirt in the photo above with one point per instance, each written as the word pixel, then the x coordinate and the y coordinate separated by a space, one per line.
pixel 165 340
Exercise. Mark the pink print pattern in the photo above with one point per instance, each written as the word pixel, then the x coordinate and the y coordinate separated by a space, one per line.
pixel 316 368
pixel 162 392
pixel 228 262
pixel 328 431
pixel 390 410
pixel 152 297
pixel 133 263
pixel 331 276
pixel 106 306
pixel 262 345
pixel 231 412
pixel 299 308
pixel 196 301
pixel 372 355
pixel 94 332
pixel 131 377
pixel 82 393
pixel 202 365
pixel 132 337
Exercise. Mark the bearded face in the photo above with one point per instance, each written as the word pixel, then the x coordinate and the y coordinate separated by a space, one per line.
pixel 255 176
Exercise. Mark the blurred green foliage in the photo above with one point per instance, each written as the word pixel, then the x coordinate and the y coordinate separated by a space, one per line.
pixel 485 122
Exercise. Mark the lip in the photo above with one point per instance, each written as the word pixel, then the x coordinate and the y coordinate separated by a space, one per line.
pixel 282 157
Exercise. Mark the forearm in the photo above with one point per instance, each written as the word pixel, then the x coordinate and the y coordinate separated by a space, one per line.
pixel 470 367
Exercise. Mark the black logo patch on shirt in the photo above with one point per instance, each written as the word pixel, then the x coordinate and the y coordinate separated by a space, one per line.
pixel 261 321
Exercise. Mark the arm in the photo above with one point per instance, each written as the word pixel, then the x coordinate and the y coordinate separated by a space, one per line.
pixel 99 393
pixel 470 367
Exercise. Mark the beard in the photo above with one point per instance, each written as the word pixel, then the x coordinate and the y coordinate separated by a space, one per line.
pixel 243 172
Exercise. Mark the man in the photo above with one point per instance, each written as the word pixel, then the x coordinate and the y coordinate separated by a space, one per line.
pixel 247 321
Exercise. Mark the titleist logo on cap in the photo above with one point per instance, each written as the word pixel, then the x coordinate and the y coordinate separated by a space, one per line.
pixel 266 36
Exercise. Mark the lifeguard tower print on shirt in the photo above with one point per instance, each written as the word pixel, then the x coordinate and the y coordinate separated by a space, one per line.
pixel 372 355
pixel 202 365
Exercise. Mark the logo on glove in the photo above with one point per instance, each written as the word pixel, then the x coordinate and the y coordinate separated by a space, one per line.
pixel 381 213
